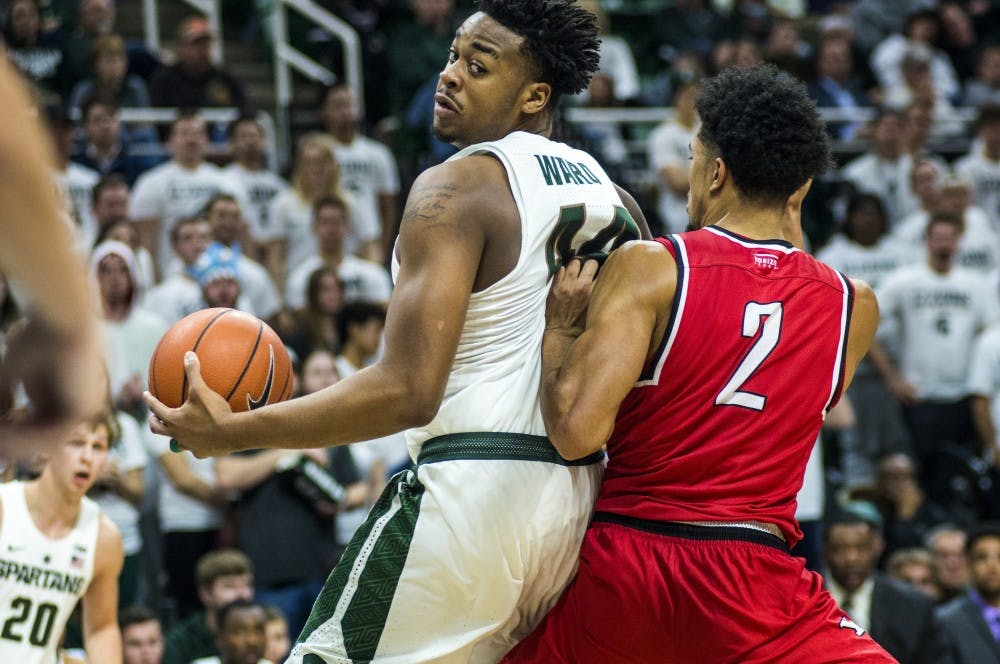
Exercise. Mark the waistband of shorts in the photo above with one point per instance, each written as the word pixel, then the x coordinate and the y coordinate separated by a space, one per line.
pixel 490 445
pixel 694 532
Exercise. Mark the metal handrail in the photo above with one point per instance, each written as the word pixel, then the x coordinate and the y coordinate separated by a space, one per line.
pixel 210 8
pixel 287 57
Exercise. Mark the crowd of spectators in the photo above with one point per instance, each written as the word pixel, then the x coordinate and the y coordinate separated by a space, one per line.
pixel 172 220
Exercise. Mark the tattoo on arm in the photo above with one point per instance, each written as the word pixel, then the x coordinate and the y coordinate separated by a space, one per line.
pixel 428 202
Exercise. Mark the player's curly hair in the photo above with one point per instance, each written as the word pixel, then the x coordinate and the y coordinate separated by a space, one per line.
pixel 560 37
pixel 766 129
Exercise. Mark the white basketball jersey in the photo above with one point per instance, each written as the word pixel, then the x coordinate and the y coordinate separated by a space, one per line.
pixel 41 579
pixel 567 206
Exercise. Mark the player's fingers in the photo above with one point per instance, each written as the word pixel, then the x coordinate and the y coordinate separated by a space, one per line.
pixel 158 426
pixel 589 269
pixel 160 412
pixel 192 367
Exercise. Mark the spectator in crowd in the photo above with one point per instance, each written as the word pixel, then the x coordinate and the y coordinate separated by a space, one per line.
pixel 217 272
pixel 35 51
pixel 836 84
pixel 984 87
pixel 313 326
pixel 360 278
pixel 873 20
pixel 958 38
pixel 939 310
pixel 142 636
pixel 907 512
pixel 278 643
pixel 971 622
pixel 179 188
pixel 179 294
pixel 979 244
pixel 617 61
pixel 111 83
pixel 913 566
pixel 124 231
pixel 864 250
pixel 919 124
pixel 194 81
pixel 315 175
pixel 786 50
pixel 106 149
pixel 95 19
pixel 191 511
pixel 276 512
pixel 684 26
pixel 951 569
pixel 130 332
pixel 73 181
pixel 240 637
pixel 885 169
pixel 898 617
pixel 119 491
pixel 249 169
pixel 229 230
pixel 668 149
pixel 109 200
pixel 222 576
pixel 414 48
pixel 368 170
pixel 360 326
pixel 984 384
pixel 922 31
pixel 916 85
pixel 981 166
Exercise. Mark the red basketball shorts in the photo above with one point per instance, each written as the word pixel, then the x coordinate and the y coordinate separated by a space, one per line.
pixel 661 593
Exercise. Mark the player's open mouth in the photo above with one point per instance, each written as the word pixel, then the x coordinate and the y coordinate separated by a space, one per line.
pixel 81 477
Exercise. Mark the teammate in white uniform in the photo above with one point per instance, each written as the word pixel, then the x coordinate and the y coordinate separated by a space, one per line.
pixel 465 554
pixel 56 548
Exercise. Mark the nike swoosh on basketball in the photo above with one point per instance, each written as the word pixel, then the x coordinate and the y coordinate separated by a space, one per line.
pixel 254 404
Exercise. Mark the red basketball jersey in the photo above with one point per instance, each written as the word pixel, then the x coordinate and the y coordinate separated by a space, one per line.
pixel 722 421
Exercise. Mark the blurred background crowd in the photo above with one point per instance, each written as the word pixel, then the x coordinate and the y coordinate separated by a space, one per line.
pixel 257 156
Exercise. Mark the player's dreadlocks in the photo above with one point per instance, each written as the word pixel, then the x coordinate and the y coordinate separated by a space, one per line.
pixel 560 37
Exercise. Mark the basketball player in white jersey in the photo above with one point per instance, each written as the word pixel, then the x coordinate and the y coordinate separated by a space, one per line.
pixel 56 548
pixel 463 555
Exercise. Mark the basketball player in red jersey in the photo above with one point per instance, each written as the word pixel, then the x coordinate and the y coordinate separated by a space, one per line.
pixel 707 364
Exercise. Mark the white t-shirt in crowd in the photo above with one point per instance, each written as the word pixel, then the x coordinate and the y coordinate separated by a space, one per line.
pixel 362 280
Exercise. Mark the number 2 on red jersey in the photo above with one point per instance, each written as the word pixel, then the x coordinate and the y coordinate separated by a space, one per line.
pixel 753 314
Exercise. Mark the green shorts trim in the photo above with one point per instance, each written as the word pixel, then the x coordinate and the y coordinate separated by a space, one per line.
pixel 497 446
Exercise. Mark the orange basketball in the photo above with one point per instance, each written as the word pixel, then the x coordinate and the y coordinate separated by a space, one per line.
pixel 241 358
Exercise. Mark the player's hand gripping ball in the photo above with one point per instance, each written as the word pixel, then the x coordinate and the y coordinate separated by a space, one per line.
pixel 241 358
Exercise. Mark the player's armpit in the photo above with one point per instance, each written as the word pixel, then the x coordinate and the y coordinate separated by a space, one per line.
pixel 583 388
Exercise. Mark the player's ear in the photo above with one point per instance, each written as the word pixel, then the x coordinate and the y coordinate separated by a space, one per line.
pixel 536 97
pixel 719 175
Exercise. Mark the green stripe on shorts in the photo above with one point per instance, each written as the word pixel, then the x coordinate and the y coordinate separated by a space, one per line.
pixel 374 582
pixel 488 445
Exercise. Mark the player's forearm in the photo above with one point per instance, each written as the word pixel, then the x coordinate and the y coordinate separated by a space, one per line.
pixel 560 395
pixel 37 244
pixel 104 645
pixel 372 403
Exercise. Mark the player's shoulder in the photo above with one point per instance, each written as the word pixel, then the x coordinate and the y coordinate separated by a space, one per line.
pixel 469 178
pixel 109 542
pixel 644 263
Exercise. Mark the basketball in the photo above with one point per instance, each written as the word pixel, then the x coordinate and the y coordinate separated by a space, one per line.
pixel 241 358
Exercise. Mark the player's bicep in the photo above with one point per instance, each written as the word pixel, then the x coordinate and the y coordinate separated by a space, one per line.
pixel 439 247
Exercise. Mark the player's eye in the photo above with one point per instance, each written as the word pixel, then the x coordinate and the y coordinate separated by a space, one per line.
pixel 452 55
